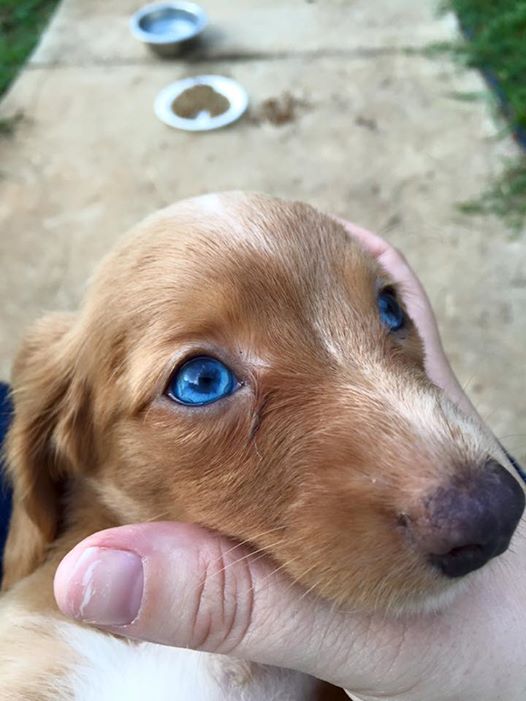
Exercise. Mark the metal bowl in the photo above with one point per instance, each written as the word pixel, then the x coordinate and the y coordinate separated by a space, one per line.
pixel 201 103
pixel 168 28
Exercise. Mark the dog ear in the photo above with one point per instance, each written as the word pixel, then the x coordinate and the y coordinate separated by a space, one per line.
pixel 47 437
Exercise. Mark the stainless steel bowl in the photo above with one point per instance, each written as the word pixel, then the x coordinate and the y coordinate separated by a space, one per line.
pixel 168 28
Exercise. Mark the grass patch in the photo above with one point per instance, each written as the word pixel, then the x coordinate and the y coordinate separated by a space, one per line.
pixel 497 46
pixel 506 197
pixel 9 124
pixel 497 32
pixel 21 22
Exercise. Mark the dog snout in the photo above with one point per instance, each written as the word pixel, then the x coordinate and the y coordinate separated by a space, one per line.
pixel 468 522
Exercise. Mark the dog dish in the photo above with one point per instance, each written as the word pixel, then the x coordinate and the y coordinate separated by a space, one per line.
pixel 168 28
pixel 201 103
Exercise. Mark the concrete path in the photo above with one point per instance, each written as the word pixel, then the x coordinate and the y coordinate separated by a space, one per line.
pixel 377 136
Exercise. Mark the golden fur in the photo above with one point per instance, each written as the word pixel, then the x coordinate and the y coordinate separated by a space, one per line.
pixel 335 436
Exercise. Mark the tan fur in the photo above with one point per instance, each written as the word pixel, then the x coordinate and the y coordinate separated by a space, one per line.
pixel 335 434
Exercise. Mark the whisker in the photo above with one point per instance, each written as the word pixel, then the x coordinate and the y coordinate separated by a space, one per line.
pixel 312 587
pixel 246 542
pixel 251 541
pixel 260 585
pixel 161 516
pixel 263 550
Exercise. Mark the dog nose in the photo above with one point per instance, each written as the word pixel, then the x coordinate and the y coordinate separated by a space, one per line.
pixel 468 523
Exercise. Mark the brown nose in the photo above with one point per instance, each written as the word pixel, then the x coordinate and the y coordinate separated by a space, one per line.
pixel 468 523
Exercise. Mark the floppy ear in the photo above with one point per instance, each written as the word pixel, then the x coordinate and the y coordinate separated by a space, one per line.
pixel 44 441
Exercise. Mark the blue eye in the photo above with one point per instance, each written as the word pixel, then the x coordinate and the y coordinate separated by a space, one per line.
pixel 201 381
pixel 391 313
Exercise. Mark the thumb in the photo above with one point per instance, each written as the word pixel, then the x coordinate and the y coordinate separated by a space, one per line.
pixel 179 584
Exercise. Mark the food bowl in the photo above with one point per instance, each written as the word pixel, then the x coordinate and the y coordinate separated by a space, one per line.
pixel 168 28
pixel 201 103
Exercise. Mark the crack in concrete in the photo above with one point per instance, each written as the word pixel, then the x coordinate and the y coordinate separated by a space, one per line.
pixel 362 52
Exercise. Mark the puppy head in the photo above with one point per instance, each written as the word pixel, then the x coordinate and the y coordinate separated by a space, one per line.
pixel 240 362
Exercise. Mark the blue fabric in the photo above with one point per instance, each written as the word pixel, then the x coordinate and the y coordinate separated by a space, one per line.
pixel 6 410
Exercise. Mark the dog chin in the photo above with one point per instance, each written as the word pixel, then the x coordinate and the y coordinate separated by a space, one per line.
pixel 432 603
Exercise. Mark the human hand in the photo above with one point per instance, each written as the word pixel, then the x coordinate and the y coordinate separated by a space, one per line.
pixel 181 585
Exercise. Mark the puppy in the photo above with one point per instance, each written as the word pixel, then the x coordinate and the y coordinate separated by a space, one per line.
pixel 239 362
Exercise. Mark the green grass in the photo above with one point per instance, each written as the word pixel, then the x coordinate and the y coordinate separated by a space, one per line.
pixel 505 198
pixel 21 22
pixel 498 44
pixel 9 124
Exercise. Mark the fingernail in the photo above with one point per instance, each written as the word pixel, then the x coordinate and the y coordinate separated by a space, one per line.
pixel 104 587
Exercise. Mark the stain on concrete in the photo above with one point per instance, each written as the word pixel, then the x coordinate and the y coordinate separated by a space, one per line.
pixel 280 110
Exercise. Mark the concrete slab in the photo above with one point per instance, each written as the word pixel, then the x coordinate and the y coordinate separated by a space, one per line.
pixel 375 136
pixel 98 31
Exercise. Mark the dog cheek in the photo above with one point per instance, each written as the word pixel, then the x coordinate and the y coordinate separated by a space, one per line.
pixel 342 536
pixel 196 471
